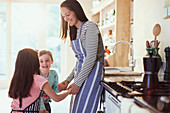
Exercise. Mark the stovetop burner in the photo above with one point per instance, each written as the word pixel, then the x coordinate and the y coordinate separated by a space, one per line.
pixel 132 88
pixel 158 100
pixel 163 90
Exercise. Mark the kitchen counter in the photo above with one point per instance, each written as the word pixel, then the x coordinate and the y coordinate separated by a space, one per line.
pixel 110 78
pixel 151 103
pixel 116 75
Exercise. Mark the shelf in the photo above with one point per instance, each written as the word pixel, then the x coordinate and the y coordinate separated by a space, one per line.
pixel 109 44
pixel 107 26
pixel 101 5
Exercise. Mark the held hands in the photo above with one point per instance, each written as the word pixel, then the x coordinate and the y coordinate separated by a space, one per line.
pixel 63 85
pixel 74 89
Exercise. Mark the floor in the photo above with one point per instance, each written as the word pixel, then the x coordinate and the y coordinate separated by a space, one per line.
pixel 59 107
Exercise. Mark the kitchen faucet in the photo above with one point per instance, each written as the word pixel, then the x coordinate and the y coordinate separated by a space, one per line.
pixel 131 61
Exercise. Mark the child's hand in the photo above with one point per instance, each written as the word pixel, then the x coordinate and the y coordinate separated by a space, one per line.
pixel 74 89
pixel 63 85
pixel 69 90
pixel 43 111
pixel 46 97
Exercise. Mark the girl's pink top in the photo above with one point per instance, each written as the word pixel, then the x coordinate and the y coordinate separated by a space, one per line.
pixel 35 90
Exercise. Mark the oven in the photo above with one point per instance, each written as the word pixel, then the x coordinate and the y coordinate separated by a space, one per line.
pixel 111 104
pixel 155 100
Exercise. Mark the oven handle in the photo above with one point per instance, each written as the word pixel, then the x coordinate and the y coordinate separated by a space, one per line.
pixel 109 89
pixel 114 101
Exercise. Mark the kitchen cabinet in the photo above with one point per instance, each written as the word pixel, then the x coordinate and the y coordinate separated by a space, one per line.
pixel 114 15
pixel 104 16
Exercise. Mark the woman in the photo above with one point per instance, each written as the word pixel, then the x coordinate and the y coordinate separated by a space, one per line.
pixel 87 44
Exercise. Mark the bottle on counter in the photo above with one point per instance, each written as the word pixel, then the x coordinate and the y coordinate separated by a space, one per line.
pixel 111 37
pixel 167 67
pixel 151 69
pixel 107 51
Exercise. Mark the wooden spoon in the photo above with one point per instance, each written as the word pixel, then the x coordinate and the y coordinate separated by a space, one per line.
pixel 156 30
pixel 147 44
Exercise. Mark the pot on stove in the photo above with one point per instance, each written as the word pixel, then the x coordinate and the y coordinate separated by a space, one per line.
pixel 151 68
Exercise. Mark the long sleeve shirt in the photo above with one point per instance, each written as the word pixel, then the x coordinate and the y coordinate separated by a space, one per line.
pixel 92 43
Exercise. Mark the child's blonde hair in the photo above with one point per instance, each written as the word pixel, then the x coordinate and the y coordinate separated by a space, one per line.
pixel 42 52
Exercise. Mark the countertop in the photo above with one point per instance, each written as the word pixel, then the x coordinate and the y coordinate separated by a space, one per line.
pixel 152 103
pixel 112 76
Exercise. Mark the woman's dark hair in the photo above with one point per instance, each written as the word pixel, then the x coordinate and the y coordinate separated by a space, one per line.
pixel 27 64
pixel 74 6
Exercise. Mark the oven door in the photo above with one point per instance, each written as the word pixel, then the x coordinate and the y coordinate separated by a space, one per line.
pixel 111 104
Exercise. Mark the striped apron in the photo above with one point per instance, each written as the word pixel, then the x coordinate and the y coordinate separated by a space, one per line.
pixel 86 101
pixel 34 107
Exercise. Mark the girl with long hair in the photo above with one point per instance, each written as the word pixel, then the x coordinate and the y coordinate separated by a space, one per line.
pixel 26 84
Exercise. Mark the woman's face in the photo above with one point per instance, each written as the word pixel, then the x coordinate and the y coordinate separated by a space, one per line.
pixel 69 16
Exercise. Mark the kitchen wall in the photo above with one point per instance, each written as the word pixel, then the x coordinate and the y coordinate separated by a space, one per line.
pixel 147 13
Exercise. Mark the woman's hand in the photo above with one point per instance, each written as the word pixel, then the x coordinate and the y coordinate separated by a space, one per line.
pixel 74 89
pixel 63 85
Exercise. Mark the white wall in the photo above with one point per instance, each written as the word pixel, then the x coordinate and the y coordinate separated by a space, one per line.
pixel 147 13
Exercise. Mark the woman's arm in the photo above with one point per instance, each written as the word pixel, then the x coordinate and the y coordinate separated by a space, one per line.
pixel 56 97
pixel 91 53
pixel 71 76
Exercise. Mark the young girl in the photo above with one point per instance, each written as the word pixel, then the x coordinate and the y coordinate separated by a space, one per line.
pixel 26 84
pixel 46 59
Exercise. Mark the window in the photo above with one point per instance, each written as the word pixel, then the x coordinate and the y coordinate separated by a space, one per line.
pixel 25 27
pixel 27 24
pixel 53 42
pixel 2 40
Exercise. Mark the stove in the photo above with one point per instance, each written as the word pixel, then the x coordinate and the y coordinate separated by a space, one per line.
pixel 157 100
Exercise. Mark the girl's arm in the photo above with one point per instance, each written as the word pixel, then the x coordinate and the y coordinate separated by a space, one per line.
pixel 56 97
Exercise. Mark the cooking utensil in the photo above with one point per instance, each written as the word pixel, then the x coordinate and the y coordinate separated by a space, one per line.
pixel 158 43
pixel 147 44
pixel 156 30
pixel 154 44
